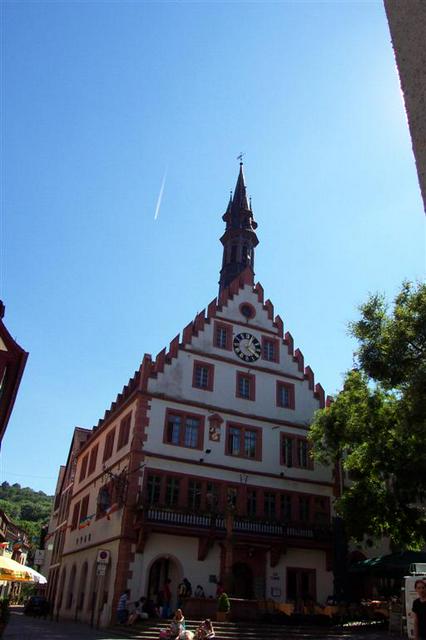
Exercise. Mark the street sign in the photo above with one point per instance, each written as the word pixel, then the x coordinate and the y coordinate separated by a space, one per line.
pixel 103 556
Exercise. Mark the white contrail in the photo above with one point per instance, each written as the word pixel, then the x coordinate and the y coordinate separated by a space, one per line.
pixel 160 196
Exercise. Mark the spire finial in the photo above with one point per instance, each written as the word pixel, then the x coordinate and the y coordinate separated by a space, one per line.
pixel 240 158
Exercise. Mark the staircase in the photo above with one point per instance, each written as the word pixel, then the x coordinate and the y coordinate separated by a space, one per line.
pixel 150 630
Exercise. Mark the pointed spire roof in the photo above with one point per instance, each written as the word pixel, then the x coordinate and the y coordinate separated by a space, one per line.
pixel 238 214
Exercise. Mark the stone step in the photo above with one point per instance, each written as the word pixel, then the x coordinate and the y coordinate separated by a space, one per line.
pixel 246 631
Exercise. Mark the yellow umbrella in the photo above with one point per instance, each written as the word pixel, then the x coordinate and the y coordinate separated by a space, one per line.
pixel 12 571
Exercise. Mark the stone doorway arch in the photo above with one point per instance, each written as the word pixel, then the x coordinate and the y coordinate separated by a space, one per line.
pixel 162 568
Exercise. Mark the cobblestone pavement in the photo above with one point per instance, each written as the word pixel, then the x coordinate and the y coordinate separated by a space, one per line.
pixel 23 627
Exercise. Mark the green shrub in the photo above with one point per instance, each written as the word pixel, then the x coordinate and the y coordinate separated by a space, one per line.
pixel 223 603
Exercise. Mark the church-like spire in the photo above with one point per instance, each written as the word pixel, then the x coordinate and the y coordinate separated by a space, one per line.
pixel 239 239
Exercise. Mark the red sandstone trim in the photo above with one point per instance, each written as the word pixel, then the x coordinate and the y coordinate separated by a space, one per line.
pixel 309 375
pixel 298 357
pixel 320 395
pixel 269 308
pixel 258 289
pixel 253 472
pixel 288 340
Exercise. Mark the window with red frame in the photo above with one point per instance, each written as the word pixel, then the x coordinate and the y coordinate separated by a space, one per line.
pixel 222 336
pixel 295 452
pixel 75 513
pixel 285 395
pixel 269 504
pixel 252 503
pixel 84 467
pixel 286 507
pixel 246 386
pixel 304 509
pixel 84 509
pixel 270 349
pixel 243 442
pixel 93 459
pixel 202 377
pixel 124 432
pixel 184 430
pixel 109 445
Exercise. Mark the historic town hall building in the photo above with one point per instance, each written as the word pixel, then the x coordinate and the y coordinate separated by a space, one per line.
pixel 201 466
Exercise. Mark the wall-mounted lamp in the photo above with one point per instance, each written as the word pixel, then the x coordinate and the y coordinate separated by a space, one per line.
pixel 201 459
pixel 208 450
pixel 282 474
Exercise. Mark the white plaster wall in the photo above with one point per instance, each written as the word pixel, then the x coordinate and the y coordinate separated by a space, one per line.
pixel 183 551
pixel 93 582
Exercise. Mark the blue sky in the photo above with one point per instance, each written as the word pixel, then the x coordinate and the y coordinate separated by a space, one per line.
pixel 101 100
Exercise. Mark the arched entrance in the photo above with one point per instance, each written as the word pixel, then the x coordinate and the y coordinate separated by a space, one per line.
pixel 242 580
pixel 162 569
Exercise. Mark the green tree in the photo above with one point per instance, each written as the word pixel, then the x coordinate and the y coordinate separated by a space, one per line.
pixel 376 426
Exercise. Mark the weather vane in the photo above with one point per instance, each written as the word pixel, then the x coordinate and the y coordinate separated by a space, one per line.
pixel 240 157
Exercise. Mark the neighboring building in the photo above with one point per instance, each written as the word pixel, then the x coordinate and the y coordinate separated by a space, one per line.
pixel 57 529
pixel 14 544
pixel 12 364
pixel 201 466
pixel 407 24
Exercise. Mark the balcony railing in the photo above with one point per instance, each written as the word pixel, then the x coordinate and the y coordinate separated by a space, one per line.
pixel 240 525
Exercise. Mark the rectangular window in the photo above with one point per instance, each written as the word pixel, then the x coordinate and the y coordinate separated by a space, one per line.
pixel 84 467
pixel 84 507
pixel 222 336
pixel 172 491
pixel 75 514
pixel 124 433
pixel 285 395
pixel 194 495
pixel 295 452
pixel 269 500
pixel 93 459
pixel 202 377
pixel 252 503
pixel 243 442
pixel 245 386
pixel 286 507
pixel 286 450
pixel 302 449
pixel 270 349
pixel 212 496
pixel 304 510
pixel 153 489
pixel 184 430
pixel 109 445
pixel 321 511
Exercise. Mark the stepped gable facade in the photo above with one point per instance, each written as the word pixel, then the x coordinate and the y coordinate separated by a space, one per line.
pixel 201 466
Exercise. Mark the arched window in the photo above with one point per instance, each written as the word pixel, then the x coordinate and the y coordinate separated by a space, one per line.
pixel 234 253
pixel 245 254
pixel 71 584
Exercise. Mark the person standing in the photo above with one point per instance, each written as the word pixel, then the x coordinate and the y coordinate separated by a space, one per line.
pixel 122 610
pixel 419 610
pixel 167 607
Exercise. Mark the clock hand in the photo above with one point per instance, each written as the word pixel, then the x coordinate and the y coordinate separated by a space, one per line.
pixel 252 350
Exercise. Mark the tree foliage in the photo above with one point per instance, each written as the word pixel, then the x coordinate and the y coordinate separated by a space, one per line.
pixel 27 508
pixel 376 425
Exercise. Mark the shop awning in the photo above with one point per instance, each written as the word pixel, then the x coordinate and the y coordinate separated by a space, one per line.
pixel 391 565
pixel 13 571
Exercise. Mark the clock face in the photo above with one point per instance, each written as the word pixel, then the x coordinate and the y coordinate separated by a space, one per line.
pixel 247 347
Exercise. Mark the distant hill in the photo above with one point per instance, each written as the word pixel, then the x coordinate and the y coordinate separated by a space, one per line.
pixel 27 508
